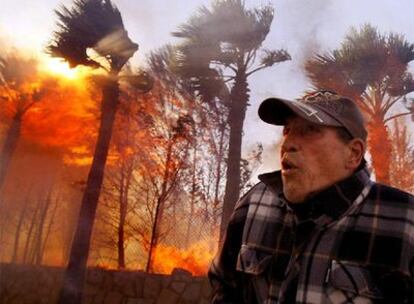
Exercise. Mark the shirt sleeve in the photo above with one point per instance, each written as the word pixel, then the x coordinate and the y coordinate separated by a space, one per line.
pixel 228 284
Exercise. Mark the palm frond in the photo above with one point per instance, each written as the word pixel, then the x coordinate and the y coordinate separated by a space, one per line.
pixel 223 37
pixel 95 24
pixel 229 21
pixel 272 57
pixel 365 59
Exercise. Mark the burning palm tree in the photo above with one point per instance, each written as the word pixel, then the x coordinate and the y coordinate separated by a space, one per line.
pixel 93 26
pixel 373 69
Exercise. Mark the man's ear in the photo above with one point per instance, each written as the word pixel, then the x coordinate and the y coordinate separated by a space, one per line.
pixel 356 149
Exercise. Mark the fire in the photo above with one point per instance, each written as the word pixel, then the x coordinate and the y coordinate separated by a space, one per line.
pixel 62 119
pixel 195 259
pixel 61 68
pixel 57 108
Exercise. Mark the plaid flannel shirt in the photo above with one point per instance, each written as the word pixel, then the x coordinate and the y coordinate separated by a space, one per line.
pixel 357 248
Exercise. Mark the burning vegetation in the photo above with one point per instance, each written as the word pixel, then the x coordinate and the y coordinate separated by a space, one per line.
pixel 148 167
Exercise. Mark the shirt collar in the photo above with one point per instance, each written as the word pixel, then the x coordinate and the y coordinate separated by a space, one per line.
pixel 333 201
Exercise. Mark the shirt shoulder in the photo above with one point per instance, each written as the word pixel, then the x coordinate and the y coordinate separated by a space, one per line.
pixel 388 195
pixel 250 195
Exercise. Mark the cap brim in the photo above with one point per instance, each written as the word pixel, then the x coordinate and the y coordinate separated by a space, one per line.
pixel 275 111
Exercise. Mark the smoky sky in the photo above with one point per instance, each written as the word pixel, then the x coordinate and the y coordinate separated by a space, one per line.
pixel 302 27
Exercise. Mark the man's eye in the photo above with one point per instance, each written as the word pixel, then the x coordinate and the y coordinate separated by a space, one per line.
pixel 311 129
pixel 285 131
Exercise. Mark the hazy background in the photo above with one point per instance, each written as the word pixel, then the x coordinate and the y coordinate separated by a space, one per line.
pixel 302 27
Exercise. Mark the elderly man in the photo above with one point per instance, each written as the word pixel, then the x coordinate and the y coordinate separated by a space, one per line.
pixel 319 230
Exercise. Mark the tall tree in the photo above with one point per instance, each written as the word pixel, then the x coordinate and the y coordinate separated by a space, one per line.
pixel 20 89
pixel 371 68
pixel 130 150
pixel 402 162
pixel 223 42
pixel 92 25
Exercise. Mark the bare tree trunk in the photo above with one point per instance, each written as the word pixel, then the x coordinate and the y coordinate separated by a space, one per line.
pixel 154 234
pixel 402 173
pixel 17 235
pixel 69 227
pixel 27 247
pixel 159 210
pixel 380 149
pixel 41 226
pixel 123 208
pixel 49 228
pixel 71 292
pixel 239 99
pixel 22 218
pixel 192 201
pixel 121 253
pixel 9 145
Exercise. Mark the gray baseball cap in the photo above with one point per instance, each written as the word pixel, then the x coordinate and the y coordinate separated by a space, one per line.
pixel 320 107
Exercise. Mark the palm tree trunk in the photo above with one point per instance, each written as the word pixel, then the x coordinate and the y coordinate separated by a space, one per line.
pixel 9 145
pixel 380 148
pixel 216 201
pixel 71 292
pixel 219 158
pixel 239 99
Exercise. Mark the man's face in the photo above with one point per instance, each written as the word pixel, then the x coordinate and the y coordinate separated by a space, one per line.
pixel 313 157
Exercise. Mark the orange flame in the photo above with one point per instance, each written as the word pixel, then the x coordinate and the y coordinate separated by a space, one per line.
pixel 62 118
pixel 195 259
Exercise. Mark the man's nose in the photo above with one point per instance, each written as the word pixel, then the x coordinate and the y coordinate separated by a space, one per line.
pixel 289 143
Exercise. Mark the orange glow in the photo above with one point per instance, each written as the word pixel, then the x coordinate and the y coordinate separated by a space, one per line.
pixel 61 68
pixel 106 265
pixel 59 114
pixel 195 259
pixel 62 119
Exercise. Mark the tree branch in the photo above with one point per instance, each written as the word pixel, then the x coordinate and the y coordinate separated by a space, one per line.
pixel 366 108
pixel 261 67
pixel 390 104
pixel 366 96
pixel 396 116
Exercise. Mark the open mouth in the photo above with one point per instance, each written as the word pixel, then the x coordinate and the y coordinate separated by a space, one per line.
pixel 288 166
